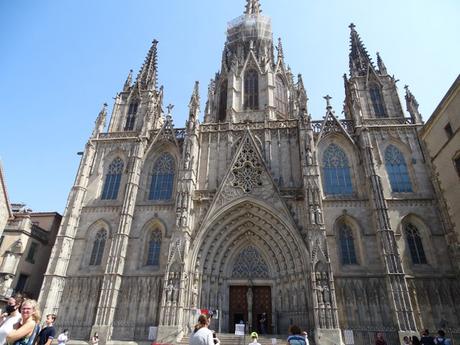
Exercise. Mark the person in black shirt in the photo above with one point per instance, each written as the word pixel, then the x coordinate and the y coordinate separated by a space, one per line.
pixel 47 334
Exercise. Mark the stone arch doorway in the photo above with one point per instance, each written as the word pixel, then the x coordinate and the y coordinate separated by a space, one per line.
pixel 248 245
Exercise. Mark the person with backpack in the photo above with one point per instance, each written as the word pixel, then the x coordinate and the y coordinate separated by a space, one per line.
pixel 296 337
pixel 426 338
pixel 441 339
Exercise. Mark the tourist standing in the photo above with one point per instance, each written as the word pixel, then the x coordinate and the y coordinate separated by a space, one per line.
pixel 28 327
pixel 47 334
pixel 63 337
pixel 255 338
pixel 426 338
pixel 11 316
pixel 95 339
pixel 296 337
pixel 202 335
pixel 441 339
pixel 379 339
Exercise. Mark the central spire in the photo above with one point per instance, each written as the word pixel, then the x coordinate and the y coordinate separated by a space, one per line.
pixel 252 7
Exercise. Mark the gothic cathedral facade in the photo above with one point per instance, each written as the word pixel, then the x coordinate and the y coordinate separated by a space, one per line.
pixel 331 225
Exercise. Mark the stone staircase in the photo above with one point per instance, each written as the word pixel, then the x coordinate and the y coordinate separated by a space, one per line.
pixel 232 339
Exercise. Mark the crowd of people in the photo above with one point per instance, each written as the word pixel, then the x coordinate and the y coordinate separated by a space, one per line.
pixel 20 325
pixel 202 335
pixel 425 339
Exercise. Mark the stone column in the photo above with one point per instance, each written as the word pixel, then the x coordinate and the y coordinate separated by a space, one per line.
pixel 111 283
pixel 54 280
pixel 395 276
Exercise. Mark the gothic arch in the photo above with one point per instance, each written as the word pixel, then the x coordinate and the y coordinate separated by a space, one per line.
pixel 150 161
pixel 425 236
pixel 352 156
pixel 356 230
pixel 90 237
pixel 407 155
pixel 153 225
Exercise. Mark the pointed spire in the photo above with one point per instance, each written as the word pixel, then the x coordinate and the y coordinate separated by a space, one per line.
pixel 412 106
pixel 381 65
pixel 359 57
pixel 195 98
pixel 99 125
pixel 280 49
pixel 252 7
pixel 129 80
pixel 147 77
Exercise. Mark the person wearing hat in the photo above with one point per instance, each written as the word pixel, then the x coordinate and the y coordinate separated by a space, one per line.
pixel 254 337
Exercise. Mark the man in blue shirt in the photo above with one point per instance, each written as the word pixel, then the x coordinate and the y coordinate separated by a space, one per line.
pixel 47 334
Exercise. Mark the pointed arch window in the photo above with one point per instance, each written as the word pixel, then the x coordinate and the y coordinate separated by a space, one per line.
pixel 131 116
pixel 98 248
pixel 112 180
pixel 414 242
pixel 336 171
pixel 377 101
pixel 397 170
pixel 347 245
pixel 223 100
pixel 281 96
pixel 154 247
pixel 161 185
pixel 251 90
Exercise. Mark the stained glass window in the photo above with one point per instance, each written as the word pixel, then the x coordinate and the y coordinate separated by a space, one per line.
pixel 251 90
pixel 98 248
pixel 347 245
pixel 336 171
pixel 223 100
pixel 250 264
pixel 131 116
pixel 153 254
pixel 281 96
pixel 397 170
pixel 377 101
pixel 161 186
pixel 415 244
pixel 112 180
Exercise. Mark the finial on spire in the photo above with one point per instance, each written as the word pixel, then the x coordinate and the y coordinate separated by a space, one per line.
pixel 128 81
pixel 381 65
pixel 252 7
pixel 170 108
pixel 328 101
pixel 280 49
pixel 412 106
pixel 359 57
pixel 195 98
pixel 147 77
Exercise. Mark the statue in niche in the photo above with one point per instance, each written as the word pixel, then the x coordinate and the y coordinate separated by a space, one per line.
pixel 318 215
pixel 309 156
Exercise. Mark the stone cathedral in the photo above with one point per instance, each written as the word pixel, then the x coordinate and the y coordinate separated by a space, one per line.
pixel 333 225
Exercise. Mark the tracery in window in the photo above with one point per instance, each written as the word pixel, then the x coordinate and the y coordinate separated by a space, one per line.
pixel 98 248
pixel 414 242
pixel 397 170
pixel 336 172
pixel 377 101
pixel 131 116
pixel 112 180
pixel 250 264
pixel 251 90
pixel 223 100
pixel 347 245
pixel 161 185
pixel 154 247
pixel 281 96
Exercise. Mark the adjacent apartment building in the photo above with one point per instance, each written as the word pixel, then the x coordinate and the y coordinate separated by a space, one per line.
pixel 441 135
pixel 25 248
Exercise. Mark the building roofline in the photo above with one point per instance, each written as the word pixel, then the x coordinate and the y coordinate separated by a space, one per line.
pixel 454 88
pixel 5 191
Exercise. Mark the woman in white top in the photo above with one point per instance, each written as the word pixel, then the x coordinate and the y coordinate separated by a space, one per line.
pixel 12 317
pixel 201 335
pixel 29 325
pixel 63 337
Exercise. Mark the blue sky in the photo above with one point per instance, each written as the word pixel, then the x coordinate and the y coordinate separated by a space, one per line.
pixel 61 60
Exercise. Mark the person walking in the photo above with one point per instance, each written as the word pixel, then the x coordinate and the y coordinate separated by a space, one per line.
pixel 379 339
pixel 47 334
pixel 95 339
pixel 296 337
pixel 202 335
pixel 426 338
pixel 63 337
pixel 441 339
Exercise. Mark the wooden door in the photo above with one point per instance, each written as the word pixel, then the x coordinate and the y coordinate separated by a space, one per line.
pixel 262 304
pixel 238 308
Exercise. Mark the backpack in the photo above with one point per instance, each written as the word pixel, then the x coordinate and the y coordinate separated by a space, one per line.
pixel 296 340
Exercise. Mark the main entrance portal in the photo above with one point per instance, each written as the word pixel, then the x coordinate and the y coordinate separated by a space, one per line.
pixel 251 305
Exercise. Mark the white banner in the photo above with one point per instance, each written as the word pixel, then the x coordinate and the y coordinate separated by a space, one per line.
pixel 153 333
pixel 348 335
pixel 239 329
